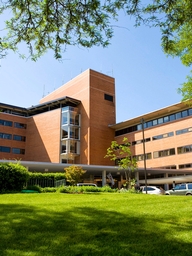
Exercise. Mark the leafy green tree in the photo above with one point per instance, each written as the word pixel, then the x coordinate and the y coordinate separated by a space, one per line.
pixel 74 174
pixel 55 24
pixel 51 24
pixel 122 154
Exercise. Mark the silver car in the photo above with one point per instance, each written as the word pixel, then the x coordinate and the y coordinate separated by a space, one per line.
pixel 180 189
pixel 152 190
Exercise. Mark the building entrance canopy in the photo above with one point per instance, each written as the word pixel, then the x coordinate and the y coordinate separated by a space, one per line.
pixel 169 175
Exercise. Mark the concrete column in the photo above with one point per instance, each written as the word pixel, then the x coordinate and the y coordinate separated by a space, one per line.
pixel 103 178
pixel 137 177
pixel 166 186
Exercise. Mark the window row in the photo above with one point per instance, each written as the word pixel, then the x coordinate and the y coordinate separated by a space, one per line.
pixel 10 137
pixel 162 136
pixel 165 152
pixel 13 150
pixel 158 121
pixel 183 166
pixel 10 123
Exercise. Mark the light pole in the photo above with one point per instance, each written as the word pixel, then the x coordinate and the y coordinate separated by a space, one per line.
pixel 144 155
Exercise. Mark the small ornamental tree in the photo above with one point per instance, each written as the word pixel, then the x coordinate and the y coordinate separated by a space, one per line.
pixel 73 174
pixel 13 177
pixel 122 154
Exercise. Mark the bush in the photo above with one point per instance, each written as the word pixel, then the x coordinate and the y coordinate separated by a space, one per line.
pixel 13 177
pixel 34 187
pixel 85 189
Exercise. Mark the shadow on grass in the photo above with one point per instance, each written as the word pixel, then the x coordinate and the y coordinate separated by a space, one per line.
pixel 86 231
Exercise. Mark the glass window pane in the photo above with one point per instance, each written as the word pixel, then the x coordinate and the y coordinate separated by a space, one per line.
pixel 184 113
pixel 155 122
pixel 64 132
pixel 178 115
pixel 166 119
pixel 190 112
pixel 160 120
pixel 5 149
pixel 172 117
pixel 139 127
pixel 64 118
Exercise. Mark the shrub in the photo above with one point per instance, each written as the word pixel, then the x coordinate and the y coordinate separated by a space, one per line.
pixel 84 189
pixel 34 187
pixel 13 177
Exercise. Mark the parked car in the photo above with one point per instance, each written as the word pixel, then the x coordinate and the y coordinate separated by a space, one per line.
pixel 87 184
pixel 180 189
pixel 151 190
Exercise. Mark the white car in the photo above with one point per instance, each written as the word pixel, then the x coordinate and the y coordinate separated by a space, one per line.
pixel 152 190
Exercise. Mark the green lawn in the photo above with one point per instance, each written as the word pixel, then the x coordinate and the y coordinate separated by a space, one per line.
pixel 56 224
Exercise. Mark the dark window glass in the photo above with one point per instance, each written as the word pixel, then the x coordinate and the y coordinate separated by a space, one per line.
pixel 184 149
pixel 183 131
pixel 5 149
pixel 166 119
pixel 178 115
pixel 149 124
pixel 189 186
pixel 172 151
pixel 108 97
pixel 158 137
pixel 155 122
pixel 160 120
pixel 184 113
pixel 19 138
pixel 190 112
pixel 5 136
pixel 6 123
pixel 18 151
pixel 163 153
pixel 20 125
pixel 172 117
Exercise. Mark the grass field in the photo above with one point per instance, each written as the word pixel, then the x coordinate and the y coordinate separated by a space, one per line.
pixel 54 224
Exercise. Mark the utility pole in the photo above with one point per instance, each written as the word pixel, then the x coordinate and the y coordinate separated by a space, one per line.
pixel 144 155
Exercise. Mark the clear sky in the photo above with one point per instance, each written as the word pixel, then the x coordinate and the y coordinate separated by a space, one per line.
pixel 146 79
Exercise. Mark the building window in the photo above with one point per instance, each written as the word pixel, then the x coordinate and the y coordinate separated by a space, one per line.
pixel 183 131
pixel 6 123
pixel 20 125
pixel 108 97
pixel 183 166
pixel 163 153
pixel 19 137
pixel 184 149
pixel 140 141
pixel 18 151
pixel 5 136
pixel 5 149
pixel 141 157
pixel 162 136
pixel 150 123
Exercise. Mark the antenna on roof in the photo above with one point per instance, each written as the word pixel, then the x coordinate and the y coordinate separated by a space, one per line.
pixel 43 91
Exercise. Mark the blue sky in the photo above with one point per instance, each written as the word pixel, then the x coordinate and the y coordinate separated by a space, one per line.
pixel 146 79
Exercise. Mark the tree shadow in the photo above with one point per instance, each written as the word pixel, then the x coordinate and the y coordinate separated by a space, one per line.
pixel 87 231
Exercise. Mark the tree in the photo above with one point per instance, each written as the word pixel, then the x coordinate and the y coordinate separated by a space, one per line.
pixel 73 174
pixel 122 154
pixel 55 24
pixel 51 24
